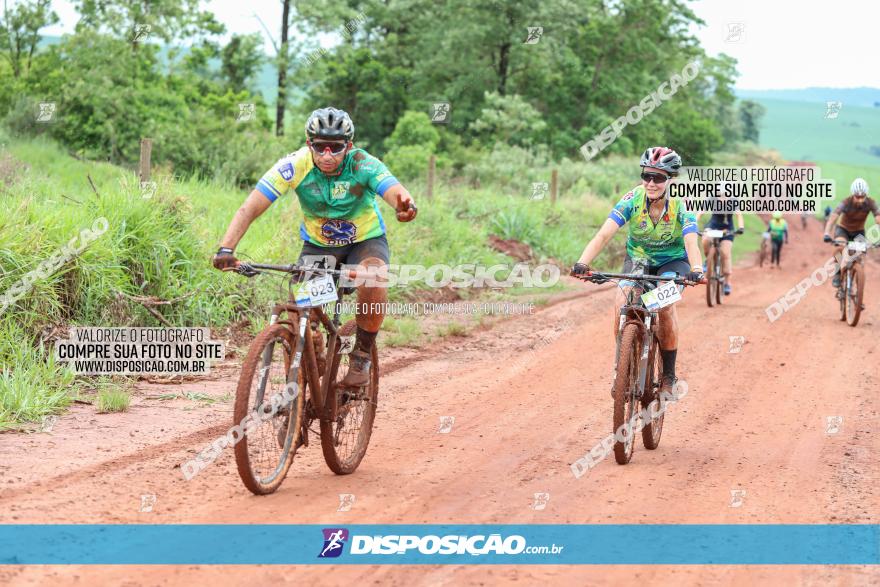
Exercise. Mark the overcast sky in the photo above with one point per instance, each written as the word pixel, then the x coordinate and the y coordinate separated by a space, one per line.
pixel 778 44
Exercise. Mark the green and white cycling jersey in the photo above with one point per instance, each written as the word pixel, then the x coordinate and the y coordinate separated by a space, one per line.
pixel 338 210
pixel 657 243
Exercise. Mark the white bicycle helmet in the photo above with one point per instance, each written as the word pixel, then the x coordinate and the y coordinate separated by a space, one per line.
pixel 859 186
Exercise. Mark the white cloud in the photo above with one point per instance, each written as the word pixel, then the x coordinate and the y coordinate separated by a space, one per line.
pixel 788 44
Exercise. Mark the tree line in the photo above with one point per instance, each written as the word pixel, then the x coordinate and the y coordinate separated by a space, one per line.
pixel 546 75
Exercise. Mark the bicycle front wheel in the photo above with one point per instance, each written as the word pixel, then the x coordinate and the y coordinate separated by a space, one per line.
pixel 625 383
pixel 268 409
pixel 651 399
pixel 345 437
pixel 854 294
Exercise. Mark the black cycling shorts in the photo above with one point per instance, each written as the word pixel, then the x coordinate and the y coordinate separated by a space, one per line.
pixel 680 266
pixel 352 254
pixel 840 231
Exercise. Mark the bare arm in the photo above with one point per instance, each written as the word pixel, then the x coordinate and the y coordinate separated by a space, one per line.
pixel 595 246
pixel 399 198
pixel 255 204
pixel 740 220
pixel 692 247
pixel 832 220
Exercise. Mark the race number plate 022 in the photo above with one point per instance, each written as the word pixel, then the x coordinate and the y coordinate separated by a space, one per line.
pixel 664 295
pixel 316 292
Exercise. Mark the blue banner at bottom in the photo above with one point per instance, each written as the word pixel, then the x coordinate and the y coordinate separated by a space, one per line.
pixel 655 544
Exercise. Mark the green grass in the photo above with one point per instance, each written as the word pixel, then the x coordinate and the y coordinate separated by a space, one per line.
pixel 452 329
pixel 113 400
pixel 402 331
pixel 800 131
pixel 32 385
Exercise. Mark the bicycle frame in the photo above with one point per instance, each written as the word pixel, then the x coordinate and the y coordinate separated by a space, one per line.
pixel 304 354
pixel 646 321
pixel 318 382
pixel 635 312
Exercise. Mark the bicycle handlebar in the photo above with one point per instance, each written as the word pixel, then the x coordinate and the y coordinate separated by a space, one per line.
pixel 252 269
pixel 727 231
pixel 597 277
pixel 835 243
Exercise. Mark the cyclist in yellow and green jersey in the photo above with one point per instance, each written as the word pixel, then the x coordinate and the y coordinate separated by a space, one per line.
pixel 778 229
pixel 662 240
pixel 337 186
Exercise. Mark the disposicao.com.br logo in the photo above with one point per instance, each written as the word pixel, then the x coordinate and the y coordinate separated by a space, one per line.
pixel 454 544
pixel 334 540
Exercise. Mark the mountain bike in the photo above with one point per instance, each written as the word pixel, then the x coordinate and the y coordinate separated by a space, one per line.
pixel 851 290
pixel 714 276
pixel 291 377
pixel 764 253
pixel 638 366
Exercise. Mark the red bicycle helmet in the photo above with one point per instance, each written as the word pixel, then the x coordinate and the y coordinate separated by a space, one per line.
pixel 662 158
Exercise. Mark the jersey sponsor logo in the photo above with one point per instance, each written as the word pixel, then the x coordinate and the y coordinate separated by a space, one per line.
pixel 643 224
pixel 338 232
pixel 628 196
pixel 340 189
pixel 286 171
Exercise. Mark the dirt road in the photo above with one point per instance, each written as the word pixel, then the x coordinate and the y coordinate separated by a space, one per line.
pixel 529 397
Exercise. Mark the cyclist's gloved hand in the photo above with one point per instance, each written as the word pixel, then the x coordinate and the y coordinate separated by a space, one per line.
pixel 224 260
pixel 579 270
pixel 694 276
pixel 739 231
pixel 827 238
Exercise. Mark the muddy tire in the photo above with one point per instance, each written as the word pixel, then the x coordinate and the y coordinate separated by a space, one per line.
pixel 854 294
pixel 625 404
pixel 345 439
pixel 262 459
pixel 654 426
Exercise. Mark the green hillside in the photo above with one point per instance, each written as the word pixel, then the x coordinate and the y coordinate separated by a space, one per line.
pixel 800 131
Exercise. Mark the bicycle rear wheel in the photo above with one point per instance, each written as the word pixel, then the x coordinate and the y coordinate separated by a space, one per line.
pixel 842 292
pixel 710 280
pixel 854 294
pixel 264 411
pixel 719 280
pixel 625 404
pixel 345 439
pixel 651 399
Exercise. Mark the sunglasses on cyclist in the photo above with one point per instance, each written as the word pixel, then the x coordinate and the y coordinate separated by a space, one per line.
pixel 320 147
pixel 655 177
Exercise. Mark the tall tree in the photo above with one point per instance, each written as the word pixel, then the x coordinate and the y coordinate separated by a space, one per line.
pixel 20 32
pixel 136 20
pixel 241 58
pixel 751 113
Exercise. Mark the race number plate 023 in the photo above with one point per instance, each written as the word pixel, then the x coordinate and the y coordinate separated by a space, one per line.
pixel 316 292
pixel 858 246
pixel 664 295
